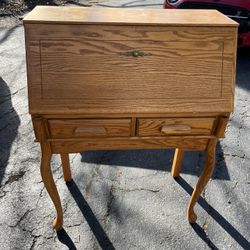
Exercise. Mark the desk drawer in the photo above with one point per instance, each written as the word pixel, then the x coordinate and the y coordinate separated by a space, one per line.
pixel 175 126
pixel 82 128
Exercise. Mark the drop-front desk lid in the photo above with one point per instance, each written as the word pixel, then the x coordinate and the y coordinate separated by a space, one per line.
pixel 81 15
pixel 142 61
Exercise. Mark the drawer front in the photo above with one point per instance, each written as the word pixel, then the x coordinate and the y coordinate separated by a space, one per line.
pixel 175 126
pixel 83 128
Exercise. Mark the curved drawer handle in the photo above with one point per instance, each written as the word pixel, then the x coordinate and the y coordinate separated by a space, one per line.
pixel 92 130
pixel 176 129
pixel 135 53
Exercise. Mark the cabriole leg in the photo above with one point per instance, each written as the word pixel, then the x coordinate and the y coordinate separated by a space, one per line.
pixel 177 162
pixel 51 188
pixel 203 179
pixel 45 169
pixel 66 167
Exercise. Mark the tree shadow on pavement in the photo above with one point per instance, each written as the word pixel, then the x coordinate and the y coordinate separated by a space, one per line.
pixel 9 123
pixel 89 216
pixel 31 3
pixel 157 159
pixel 105 242
pixel 8 32
pixel 234 233
pixel 64 238
pixel 2 3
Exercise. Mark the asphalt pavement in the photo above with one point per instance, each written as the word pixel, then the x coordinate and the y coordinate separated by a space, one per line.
pixel 118 199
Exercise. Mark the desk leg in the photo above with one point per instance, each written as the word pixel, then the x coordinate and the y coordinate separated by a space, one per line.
pixel 51 188
pixel 46 173
pixel 66 167
pixel 203 179
pixel 177 162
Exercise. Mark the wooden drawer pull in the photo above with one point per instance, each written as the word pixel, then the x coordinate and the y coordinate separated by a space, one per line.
pixel 95 130
pixel 175 129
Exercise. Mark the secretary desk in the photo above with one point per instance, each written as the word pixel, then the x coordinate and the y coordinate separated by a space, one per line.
pixel 113 78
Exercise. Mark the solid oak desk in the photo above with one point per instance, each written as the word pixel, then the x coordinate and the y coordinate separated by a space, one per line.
pixel 101 78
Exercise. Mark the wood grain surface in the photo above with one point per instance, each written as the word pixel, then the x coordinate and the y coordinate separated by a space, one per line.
pixel 177 162
pixel 73 128
pixel 74 146
pixel 76 15
pixel 131 32
pixel 68 73
pixel 66 167
pixel 152 127
pixel 45 170
pixel 62 79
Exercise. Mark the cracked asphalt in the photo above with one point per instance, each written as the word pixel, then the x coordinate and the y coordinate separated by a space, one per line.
pixel 118 199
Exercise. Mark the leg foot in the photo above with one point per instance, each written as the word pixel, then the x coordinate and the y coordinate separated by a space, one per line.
pixel 203 179
pixel 57 225
pixel 177 162
pixel 192 217
pixel 66 167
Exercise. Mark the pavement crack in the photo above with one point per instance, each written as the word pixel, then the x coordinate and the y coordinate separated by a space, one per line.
pixel 74 225
pixel 65 207
pixel 35 237
pixel 240 156
pixel 17 91
pixel 95 174
pixel 110 201
pixel 21 219
pixel 34 242
pixel 23 216
pixel 140 189
pixel 111 197
pixel 2 193
pixel 40 195
pixel 15 177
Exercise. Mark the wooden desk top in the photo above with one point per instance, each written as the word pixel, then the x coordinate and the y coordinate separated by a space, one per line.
pixel 81 15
